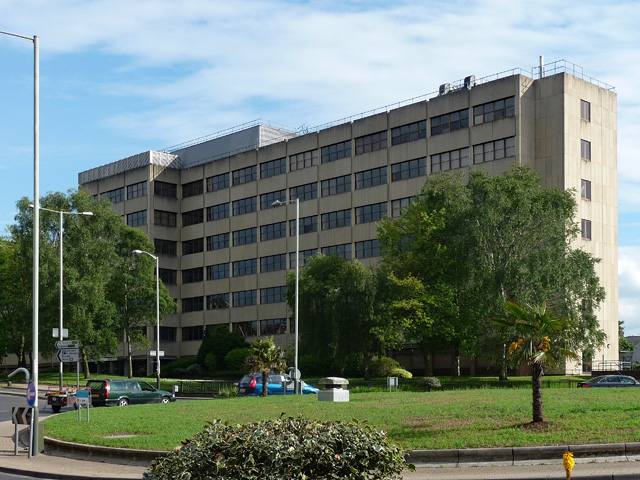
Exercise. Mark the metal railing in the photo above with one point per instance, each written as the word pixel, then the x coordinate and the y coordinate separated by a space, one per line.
pixel 609 365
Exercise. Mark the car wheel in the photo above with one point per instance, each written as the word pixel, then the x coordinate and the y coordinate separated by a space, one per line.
pixel 56 408
pixel 165 400
pixel 123 402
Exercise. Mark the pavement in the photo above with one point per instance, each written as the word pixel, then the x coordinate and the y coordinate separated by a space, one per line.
pixel 65 460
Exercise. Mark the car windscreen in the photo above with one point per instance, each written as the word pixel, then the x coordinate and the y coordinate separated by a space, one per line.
pixel 246 379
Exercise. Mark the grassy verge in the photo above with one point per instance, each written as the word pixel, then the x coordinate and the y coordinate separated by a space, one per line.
pixel 440 420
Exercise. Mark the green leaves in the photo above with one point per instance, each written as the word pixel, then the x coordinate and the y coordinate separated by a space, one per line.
pixel 292 448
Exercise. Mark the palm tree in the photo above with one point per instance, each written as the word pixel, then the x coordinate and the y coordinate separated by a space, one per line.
pixel 265 357
pixel 541 340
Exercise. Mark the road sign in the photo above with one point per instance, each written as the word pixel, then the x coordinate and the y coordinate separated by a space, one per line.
pixel 55 332
pixel 21 415
pixel 153 353
pixel 69 355
pixel 68 344
pixel 83 397
pixel 31 394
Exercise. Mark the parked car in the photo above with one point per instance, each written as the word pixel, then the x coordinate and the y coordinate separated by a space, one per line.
pixel 610 381
pixel 121 392
pixel 277 384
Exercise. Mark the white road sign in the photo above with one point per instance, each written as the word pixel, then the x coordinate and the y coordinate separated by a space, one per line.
pixel 68 344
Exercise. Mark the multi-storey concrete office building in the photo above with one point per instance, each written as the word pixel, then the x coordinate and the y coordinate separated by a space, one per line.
pixel 224 249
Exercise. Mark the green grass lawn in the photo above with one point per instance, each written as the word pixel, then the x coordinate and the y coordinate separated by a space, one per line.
pixel 436 420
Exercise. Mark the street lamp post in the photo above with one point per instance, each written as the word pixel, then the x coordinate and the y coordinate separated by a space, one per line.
pixel 140 252
pixel 279 203
pixel 62 213
pixel 36 221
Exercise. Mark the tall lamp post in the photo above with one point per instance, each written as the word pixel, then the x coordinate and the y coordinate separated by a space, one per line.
pixel 62 213
pixel 279 203
pixel 140 252
pixel 36 221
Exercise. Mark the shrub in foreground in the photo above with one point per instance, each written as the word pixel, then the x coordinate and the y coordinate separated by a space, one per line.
pixel 291 448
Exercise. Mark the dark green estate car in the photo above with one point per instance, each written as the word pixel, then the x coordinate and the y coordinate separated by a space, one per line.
pixel 121 392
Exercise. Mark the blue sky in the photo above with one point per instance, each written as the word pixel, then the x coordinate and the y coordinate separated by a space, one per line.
pixel 121 77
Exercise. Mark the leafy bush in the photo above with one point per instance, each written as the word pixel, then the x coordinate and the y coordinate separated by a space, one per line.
pixel 429 383
pixel 400 372
pixel 210 362
pixel 219 341
pixel 292 448
pixel 383 367
pixel 175 368
pixel 236 358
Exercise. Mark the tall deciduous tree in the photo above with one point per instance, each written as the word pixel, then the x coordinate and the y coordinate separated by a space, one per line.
pixel 336 311
pixel 540 340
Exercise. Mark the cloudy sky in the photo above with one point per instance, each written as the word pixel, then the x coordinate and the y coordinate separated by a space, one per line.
pixel 119 77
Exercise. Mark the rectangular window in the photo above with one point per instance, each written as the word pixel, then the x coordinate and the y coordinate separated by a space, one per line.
pixel 165 219
pixel 487 152
pixel 273 168
pixel 193 304
pixel 409 133
pixel 304 192
pixel 488 112
pixel 218 212
pixel 450 122
pixel 245 298
pixel 409 169
pixel 216 242
pixel 585 110
pixel 303 160
pixel 193 246
pixel 585 150
pixel 342 251
pixel 217 301
pixel 368 249
pixel 193 217
pixel 450 160
pixel 136 190
pixel 217 272
pixel 335 186
pixel 307 225
pixel 167 334
pixel 168 277
pixel 304 254
pixel 137 219
pixel 341 218
pixel 273 263
pixel 245 267
pixel 267 199
pixel 585 189
pixel 273 231
pixel 190 334
pixel 371 178
pixel 371 143
pixel 245 175
pixel 246 329
pixel 245 205
pixel 273 326
pixel 193 275
pixel 164 189
pixel 585 229
pixel 165 247
pixel 115 196
pixel 334 152
pixel 398 205
pixel 371 213
pixel 192 189
pixel 245 237
pixel 217 182
pixel 273 295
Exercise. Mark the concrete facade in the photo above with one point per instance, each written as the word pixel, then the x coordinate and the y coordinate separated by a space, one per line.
pixel 224 251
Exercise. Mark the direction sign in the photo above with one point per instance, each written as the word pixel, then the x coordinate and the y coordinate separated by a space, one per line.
pixel 31 394
pixel 21 415
pixel 153 353
pixel 68 344
pixel 69 355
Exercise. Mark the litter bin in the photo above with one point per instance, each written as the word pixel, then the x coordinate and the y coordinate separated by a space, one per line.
pixel 333 389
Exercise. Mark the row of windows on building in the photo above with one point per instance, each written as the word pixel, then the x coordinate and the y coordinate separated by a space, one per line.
pixel 585 185
pixel 252 328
